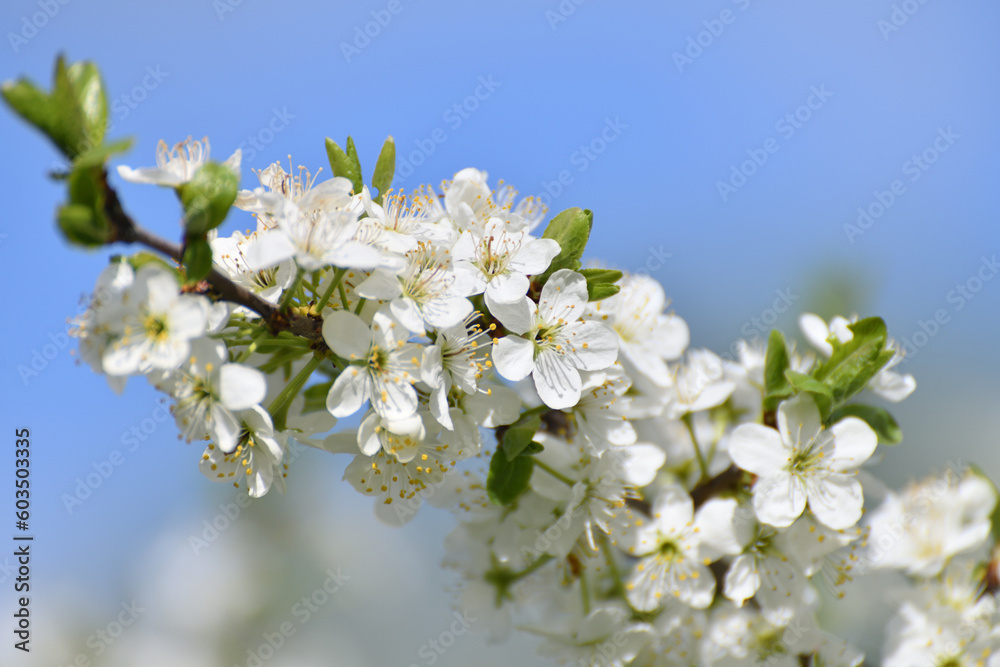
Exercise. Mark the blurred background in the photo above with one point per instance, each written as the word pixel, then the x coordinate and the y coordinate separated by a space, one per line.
pixel 759 159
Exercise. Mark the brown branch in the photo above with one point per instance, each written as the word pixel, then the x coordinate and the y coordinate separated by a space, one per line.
pixel 125 230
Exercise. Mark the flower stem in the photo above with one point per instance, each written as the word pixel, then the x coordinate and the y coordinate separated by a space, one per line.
pixel 337 277
pixel 286 299
pixel 555 473
pixel 694 443
pixel 540 561
pixel 279 406
pixel 252 346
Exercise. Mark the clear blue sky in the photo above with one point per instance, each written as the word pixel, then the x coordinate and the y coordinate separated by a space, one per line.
pixel 521 90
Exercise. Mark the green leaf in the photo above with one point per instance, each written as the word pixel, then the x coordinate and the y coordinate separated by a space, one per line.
pixel 315 397
pixel 385 169
pixel 97 156
pixel 533 448
pixel 853 374
pixel 776 385
pixel 880 420
pixel 571 229
pixel 141 259
pixel 601 283
pixel 853 364
pixel 85 79
pixel 197 260
pixel 803 382
pixel 81 225
pixel 82 220
pixel 207 198
pixel 516 440
pixel 507 480
pixel 344 164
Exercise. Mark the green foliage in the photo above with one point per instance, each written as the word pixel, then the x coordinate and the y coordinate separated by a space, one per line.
pixel 571 229
pixel 207 198
pixel 507 480
pixel 601 283
pixel 197 260
pixel 385 169
pixel 511 465
pixel 879 419
pixel 345 164
pixel 776 385
pixel 73 116
pixel 82 220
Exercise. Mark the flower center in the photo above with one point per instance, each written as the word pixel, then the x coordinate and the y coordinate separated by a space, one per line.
pixel 156 327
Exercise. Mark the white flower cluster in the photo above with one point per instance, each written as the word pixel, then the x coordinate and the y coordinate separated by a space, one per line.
pixel 645 504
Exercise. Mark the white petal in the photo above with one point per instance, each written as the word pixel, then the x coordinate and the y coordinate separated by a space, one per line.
pixel 518 317
pixel 392 400
pixel 757 449
pixel 535 255
pixel 717 525
pixel 836 501
pixel 241 386
pixel 347 334
pixel 593 346
pixel 268 249
pixel 854 442
pixel 513 357
pixel 798 420
pixel 563 297
pixel 406 311
pixel 223 428
pixel 348 392
pixel 640 463
pixel 779 499
pixel 742 579
pixel 508 287
pixel 671 337
pixel 816 332
pixel 557 380
pixel 381 284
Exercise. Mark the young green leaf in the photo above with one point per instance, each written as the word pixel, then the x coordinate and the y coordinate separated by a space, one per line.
pixel 879 419
pixel 506 479
pixel 97 156
pixel 516 440
pixel 343 164
pixel 803 382
pixel 385 169
pixel 601 283
pixel 207 198
pixel 571 229
pixel 776 385
pixel 197 260
pixel 92 102
pixel 81 225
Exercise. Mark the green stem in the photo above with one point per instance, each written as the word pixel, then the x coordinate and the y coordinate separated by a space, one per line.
pixel 540 561
pixel 286 300
pixel 694 443
pixel 343 296
pixel 361 304
pixel 252 346
pixel 555 473
pixel 585 592
pixel 337 277
pixel 612 565
pixel 279 406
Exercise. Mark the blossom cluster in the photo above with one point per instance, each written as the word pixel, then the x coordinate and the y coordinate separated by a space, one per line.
pixel 628 498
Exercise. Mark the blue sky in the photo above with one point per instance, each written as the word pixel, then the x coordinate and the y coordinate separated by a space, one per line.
pixel 642 109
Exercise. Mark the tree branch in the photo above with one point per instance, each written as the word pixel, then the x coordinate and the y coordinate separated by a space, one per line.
pixel 125 230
